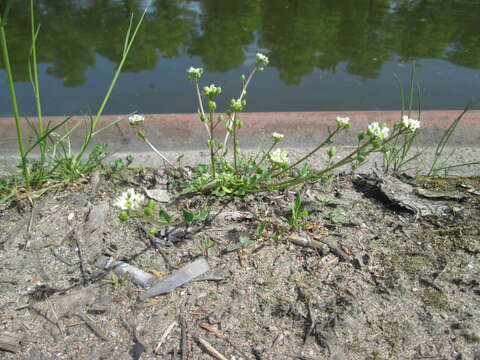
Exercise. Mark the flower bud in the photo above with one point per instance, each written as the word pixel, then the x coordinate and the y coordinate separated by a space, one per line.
pixel 332 152
pixel 212 105
pixel 124 216
pixel 153 230
pixel 376 144
pixel 148 211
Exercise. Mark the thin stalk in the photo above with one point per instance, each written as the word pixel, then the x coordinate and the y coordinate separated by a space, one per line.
pixel 338 164
pixel 412 85
pixel 13 97
pixel 242 94
pixel 263 157
pixel 445 138
pixel 344 161
pixel 211 143
pixel 200 104
pixel 234 134
pixel 35 83
pixel 129 39
pixel 325 142
pixel 158 152
pixel 46 134
pixel 458 165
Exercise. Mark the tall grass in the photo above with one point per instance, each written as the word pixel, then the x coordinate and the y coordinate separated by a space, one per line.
pixel 53 162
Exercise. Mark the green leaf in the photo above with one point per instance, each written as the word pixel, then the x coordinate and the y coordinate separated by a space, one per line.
pixel 188 216
pixel 302 214
pixel 201 215
pixel 260 229
pixel 164 216
pixel 245 240
pixel 233 247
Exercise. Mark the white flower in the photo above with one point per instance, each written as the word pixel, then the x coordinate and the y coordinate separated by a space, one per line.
pixel 410 124
pixel 277 137
pixel 129 200
pixel 262 59
pixel 278 156
pixel 135 119
pixel 378 131
pixel 343 121
pixel 194 73
pixel 212 90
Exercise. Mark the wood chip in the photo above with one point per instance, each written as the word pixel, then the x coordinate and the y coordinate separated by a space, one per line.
pixel 210 349
pixel 9 342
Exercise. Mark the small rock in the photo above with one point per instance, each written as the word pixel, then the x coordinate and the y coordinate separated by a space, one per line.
pixel 96 217
pixel 160 195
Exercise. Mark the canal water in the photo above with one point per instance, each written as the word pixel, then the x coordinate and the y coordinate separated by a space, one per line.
pixel 325 54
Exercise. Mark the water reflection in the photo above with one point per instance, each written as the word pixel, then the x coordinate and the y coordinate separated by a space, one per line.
pixel 300 36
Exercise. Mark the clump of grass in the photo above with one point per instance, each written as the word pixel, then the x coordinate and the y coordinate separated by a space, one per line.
pixel 398 154
pixel 56 164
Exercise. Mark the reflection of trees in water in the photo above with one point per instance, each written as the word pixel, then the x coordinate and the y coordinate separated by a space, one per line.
pixel 299 35
pixel 226 30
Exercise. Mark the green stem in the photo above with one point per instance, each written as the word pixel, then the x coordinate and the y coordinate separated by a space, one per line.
pixel 128 44
pixel 234 134
pixel 16 114
pixel 200 104
pixel 325 142
pixel 242 94
pixel 263 157
pixel 211 145
pixel 344 161
pixel 36 89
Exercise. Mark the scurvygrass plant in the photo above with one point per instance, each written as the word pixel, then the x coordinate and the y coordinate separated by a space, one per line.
pixel 272 168
pixel 56 163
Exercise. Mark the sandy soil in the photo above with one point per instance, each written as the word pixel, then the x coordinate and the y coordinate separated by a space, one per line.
pixel 385 283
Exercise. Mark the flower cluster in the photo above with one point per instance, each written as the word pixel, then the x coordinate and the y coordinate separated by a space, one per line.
pixel 135 119
pixel 237 104
pixel 212 90
pixel 277 137
pixel 409 124
pixel 378 131
pixel 280 157
pixel 129 200
pixel 194 73
pixel 262 60
pixel 343 122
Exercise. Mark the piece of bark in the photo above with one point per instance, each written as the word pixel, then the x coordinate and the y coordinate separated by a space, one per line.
pixel 218 274
pixel 404 195
pixel 177 278
pixel 9 342
pixel 429 194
